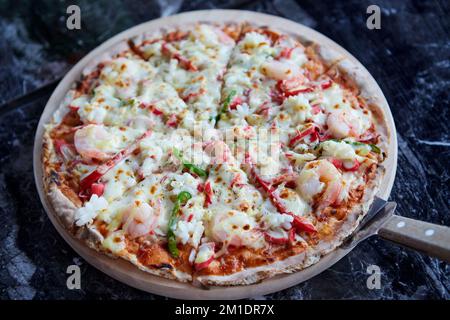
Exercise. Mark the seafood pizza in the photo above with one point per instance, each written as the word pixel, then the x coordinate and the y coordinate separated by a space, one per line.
pixel 214 154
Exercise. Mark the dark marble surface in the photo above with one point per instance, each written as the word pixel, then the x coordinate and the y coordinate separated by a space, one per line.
pixel 409 57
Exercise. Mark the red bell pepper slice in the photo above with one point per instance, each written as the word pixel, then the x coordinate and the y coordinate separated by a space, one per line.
pixel 157 112
pixel 151 107
pixel 172 121
pixel 73 108
pixel 86 182
pixel 301 224
pixel 233 105
pixel 337 163
pixel 326 85
pixel 237 179
pixel 296 92
pixel 191 95
pixel 60 143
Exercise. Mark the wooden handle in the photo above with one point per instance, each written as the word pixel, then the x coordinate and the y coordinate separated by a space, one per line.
pixel 429 238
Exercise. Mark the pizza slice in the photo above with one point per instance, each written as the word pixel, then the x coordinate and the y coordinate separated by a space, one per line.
pixel 193 62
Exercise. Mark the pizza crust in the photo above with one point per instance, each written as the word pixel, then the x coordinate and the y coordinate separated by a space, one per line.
pixel 63 206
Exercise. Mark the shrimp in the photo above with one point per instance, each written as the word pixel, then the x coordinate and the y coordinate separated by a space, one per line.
pixel 320 180
pixel 344 123
pixel 91 142
pixel 280 70
pixel 139 220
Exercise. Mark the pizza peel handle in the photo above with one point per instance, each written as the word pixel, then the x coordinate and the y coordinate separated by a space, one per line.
pixel 429 238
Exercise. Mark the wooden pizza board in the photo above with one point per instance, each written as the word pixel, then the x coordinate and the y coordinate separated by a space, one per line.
pixel 127 273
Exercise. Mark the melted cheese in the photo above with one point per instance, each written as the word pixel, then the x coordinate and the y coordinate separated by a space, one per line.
pixel 115 242
pixel 271 219
pixel 292 201
pixel 189 232
pixel 125 75
pixel 298 108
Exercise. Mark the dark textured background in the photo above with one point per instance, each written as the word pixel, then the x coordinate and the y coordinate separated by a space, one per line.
pixel 409 57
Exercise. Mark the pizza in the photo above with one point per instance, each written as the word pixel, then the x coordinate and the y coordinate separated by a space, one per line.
pixel 214 154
